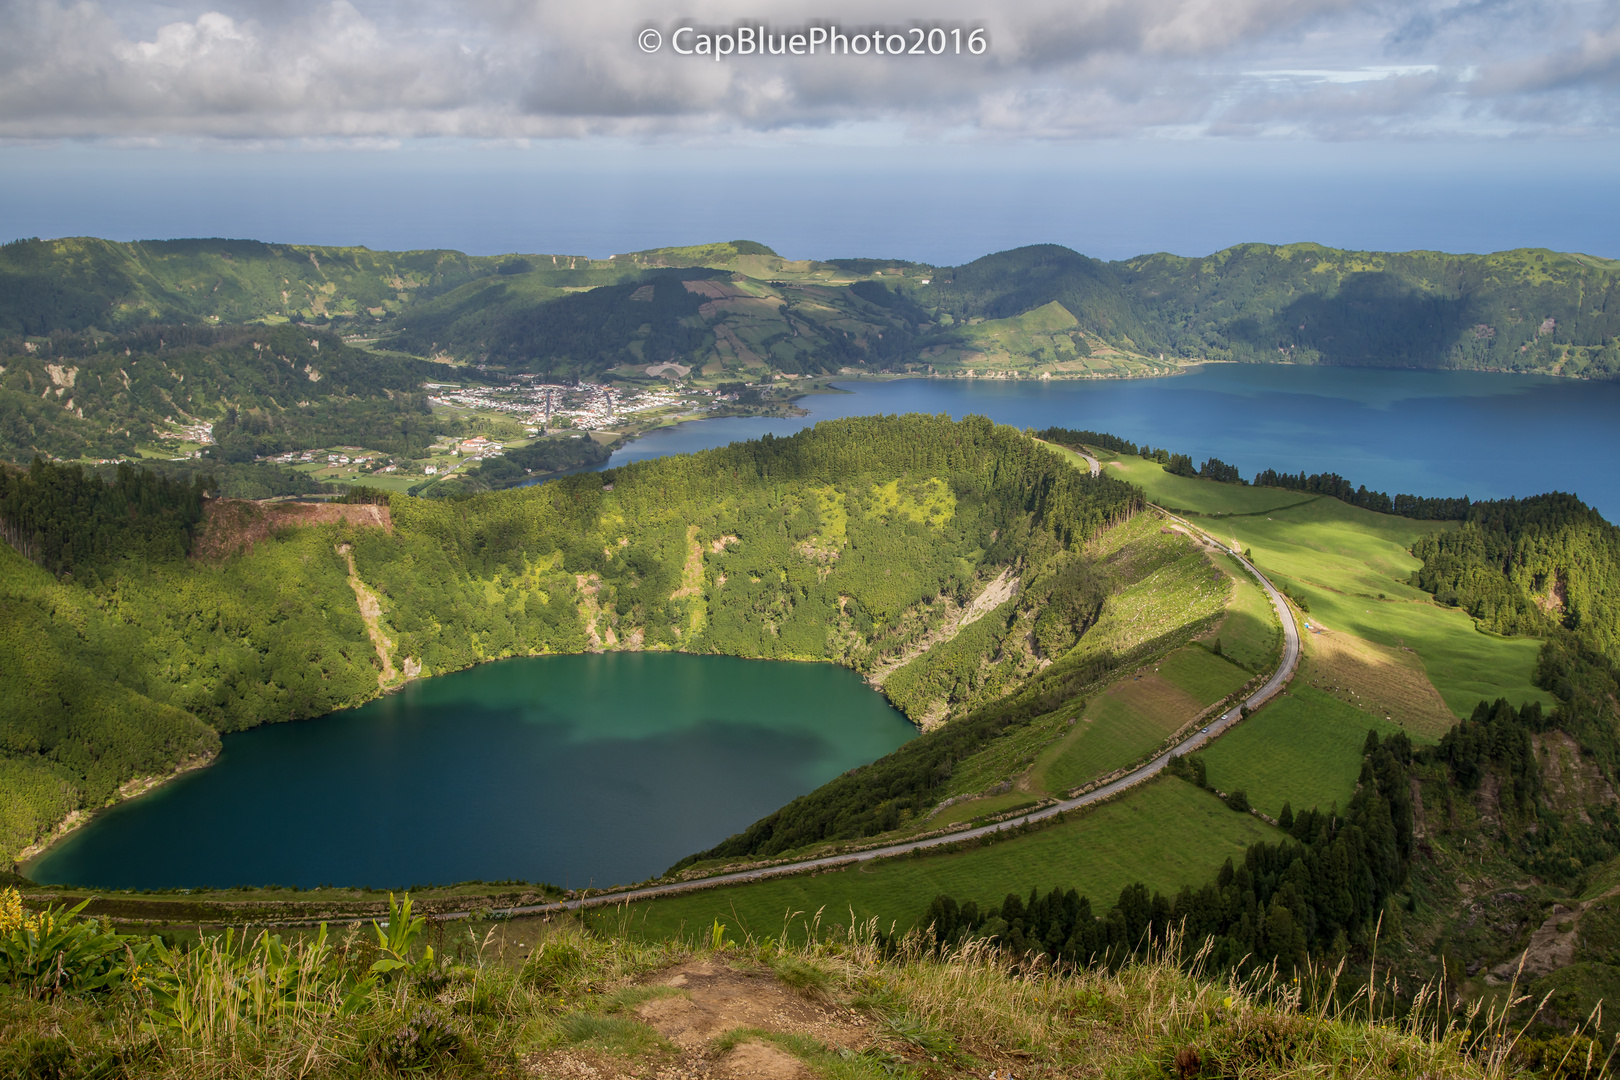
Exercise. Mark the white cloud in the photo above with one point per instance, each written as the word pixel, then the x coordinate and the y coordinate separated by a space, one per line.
pixel 1056 69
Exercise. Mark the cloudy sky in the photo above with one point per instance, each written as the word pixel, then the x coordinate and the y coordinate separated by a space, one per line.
pixel 1516 90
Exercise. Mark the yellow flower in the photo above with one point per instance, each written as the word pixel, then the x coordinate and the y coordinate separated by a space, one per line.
pixel 11 910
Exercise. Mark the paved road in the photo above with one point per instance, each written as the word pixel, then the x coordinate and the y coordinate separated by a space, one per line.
pixel 1092 463
pixel 1272 687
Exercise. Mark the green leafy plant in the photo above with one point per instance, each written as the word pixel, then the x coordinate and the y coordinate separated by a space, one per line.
pixel 225 985
pixel 395 942
pixel 57 950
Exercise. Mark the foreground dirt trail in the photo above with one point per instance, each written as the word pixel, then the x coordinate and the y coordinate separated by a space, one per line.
pixel 716 998
pixel 702 1007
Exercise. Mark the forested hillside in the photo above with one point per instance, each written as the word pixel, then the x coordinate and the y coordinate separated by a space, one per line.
pixel 264 389
pixel 1531 566
pixel 78 283
pixel 847 542
pixel 1524 310
pixel 1036 309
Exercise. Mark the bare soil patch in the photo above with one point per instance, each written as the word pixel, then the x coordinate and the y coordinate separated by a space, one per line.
pixel 1376 677
pixel 236 525
pixel 762 1060
pixel 715 999
pixel 719 998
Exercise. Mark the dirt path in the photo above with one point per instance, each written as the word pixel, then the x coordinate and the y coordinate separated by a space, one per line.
pixel 700 1006
pixel 371 613
pixel 992 596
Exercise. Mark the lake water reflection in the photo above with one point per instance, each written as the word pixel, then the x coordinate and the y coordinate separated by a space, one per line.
pixel 570 769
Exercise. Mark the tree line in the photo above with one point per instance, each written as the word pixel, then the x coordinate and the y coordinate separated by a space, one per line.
pixel 63 517
pixel 1530 566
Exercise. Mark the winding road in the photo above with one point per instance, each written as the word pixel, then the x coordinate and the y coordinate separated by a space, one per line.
pixel 1273 686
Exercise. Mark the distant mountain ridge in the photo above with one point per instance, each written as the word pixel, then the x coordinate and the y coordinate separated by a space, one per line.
pixel 1526 310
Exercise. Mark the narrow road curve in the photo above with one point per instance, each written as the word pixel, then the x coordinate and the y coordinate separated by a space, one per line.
pixel 1197 740
pixel 1091 463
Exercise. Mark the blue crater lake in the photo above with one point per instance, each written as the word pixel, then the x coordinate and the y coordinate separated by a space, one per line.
pixel 577 770
pixel 1422 432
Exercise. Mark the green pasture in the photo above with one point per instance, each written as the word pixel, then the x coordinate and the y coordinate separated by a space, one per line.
pixel 1202 674
pixel 1353 566
pixel 1068 455
pixel 1165 835
pixel 1134 717
pixel 1193 496
pixel 1249 634
pixel 972 808
pixel 1303 748
pixel 1113 735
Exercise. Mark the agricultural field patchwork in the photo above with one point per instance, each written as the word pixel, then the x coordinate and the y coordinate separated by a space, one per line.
pixel 1353 568
pixel 1164 834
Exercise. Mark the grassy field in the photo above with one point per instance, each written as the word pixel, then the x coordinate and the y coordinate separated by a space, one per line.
pixel 972 808
pixel 1166 834
pixel 1205 676
pixel 1123 723
pixel 1192 496
pixel 1249 634
pixel 1353 567
pixel 1303 748
pixel 1134 716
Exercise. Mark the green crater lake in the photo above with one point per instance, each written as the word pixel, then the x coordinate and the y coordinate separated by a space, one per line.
pixel 576 770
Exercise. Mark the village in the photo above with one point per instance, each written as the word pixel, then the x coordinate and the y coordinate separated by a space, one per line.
pixel 588 406
pixel 513 414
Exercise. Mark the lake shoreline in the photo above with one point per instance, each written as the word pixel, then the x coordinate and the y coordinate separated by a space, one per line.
pixel 220 854
pixel 128 791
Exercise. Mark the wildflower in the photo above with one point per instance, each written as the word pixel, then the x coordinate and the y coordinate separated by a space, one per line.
pixel 12 915
pixel 11 910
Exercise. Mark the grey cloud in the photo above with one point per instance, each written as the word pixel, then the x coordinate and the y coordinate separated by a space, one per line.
pixel 1057 69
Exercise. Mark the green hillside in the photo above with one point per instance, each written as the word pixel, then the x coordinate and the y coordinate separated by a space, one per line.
pixel 1523 310
pixel 844 543
pixel 739 309
pixel 82 282
pixel 869 542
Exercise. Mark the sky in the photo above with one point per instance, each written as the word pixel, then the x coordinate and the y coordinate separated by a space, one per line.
pixel 1114 126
